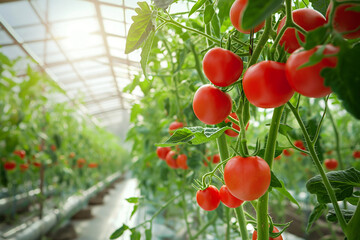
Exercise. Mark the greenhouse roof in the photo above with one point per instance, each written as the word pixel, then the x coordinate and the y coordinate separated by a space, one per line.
pixel 80 44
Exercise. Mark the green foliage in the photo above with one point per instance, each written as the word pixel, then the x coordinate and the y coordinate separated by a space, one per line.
pixel 315 215
pixel 257 11
pixel 320 5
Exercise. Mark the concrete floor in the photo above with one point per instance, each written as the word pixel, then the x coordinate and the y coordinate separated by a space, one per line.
pixel 111 215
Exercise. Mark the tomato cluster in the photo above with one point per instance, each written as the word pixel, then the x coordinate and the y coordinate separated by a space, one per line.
pixel 172 158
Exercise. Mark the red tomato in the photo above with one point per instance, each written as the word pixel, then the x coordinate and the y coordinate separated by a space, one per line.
pixel 209 198
pixel 331 164
pixel 10 165
pixel 37 164
pixel 356 154
pixel 232 133
pixel 222 67
pixel 181 161
pixel 307 81
pixel 278 157
pixel 72 155
pixel 92 165
pixel 205 163
pixel 306 18
pixel 247 178
pixel 299 144
pixel 20 153
pixel 265 84
pixel 288 152
pixel 24 167
pixel 175 125
pixel 53 148
pixel 211 105
pixel 81 162
pixel 162 152
pixel 275 230
pixel 228 199
pixel 236 13
pixel 345 20
pixel 216 158
pixel 170 160
pixel 329 152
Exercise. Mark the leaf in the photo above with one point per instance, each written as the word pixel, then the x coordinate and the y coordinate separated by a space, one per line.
pixel 135 235
pixel 148 234
pixel 132 200
pixel 284 129
pixel 286 193
pixel 315 215
pixel 315 58
pixel 257 11
pixel 342 182
pixel 164 4
pixel 215 25
pixel 145 52
pixel 209 13
pixel 316 37
pixel 136 206
pixel 224 9
pixel 119 232
pixel 347 213
pixel 275 181
pixel 354 199
pixel 193 135
pixel 320 5
pixel 196 6
pixel 344 80
pixel 140 28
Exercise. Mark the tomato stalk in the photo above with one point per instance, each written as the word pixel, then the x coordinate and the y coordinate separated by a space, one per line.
pixel 173 22
pixel 262 205
pixel 203 228
pixel 354 223
pixel 320 169
pixel 186 215
pixel 337 140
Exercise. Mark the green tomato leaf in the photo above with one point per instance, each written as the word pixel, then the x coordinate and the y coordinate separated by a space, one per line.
pixel 135 235
pixel 284 129
pixel 164 4
pixel 140 28
pixel 209 13
pixel 193 135
pixel 316 37
pixel 275 182
pixel 136 206
pixel 315 58
pixel 196 6
pixel 145 52
pixel 347 213
pixel 148 234
pixel 133 200
pixel 224 9
pixel 215 25
pixel 343 183
pixel 257 11
pixel 344 80
pixel 286 193
pixel 320 5
pixel 119 232
pixel 354 199
pixel 315 215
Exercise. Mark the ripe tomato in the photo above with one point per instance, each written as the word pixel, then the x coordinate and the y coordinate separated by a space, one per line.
pixel 275 230
pixel 247 178
pixel 222 67
pixel 209 198
pixel 300 144
pixel 278 157
pixel 181 161
pixel 232 133
pixel 37 164
pixel 72 155
pixel 345 20
pixel 228 199
pixel 331 164
pixel 162 152
pixel 81 162
pixel 10 165
pixel 24 167
pixel 211 105
pixel 307 81
pixel 356 154
pixel 92 165
pixel 329 152
pixel 288 152
pixel 53 148
pixel 216 158
pixel 170 160
pixel 265 84
pixel 236 13
pixel 306 18
pixel 20 153
pixel 205 163
pixel 175 125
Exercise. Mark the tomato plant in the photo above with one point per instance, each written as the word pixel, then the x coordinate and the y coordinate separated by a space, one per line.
pixel 331 164
pixel 181 161
pixel 162 152
pixel 211 105
pixel 307 80
pixel 228 199
pixel 222 67
pixel 20 153
pixel 175 125
pixel 247 178
pixel 9 165
pixel 356 154
pixel 275 230
pixel 209 198
pixel 236 15
pixel 171 160
pixel 265 85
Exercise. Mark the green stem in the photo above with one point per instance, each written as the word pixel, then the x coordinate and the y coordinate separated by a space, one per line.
pixel 261 43
pixel 186 216
pixel 222 147
pixel 337 138
pixel 242 222
pixel 173 22
pixel 320 169
pixel 197 63
pixel 353 225
pixel 262 205
pixel 203 228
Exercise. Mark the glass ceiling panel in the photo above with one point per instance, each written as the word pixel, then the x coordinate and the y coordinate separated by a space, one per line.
pixel 83 53
pixel 4 38
pixel 31 33
pixel 18 13
pixel 131 3
pixel 112 12
pixel 75 28
pixel 113 27
pixel 65 9
pixel 117 42
pixel 116 2
pixel 13 52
